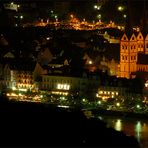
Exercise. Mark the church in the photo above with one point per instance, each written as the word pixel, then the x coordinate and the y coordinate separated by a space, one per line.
pixel 133 54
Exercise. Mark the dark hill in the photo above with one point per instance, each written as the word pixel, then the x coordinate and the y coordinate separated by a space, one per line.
pixel 29 124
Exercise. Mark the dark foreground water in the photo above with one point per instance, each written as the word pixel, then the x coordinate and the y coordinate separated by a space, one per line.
pixel 130 126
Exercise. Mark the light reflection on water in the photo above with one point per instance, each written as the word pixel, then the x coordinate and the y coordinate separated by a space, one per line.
pixel 118 125
pixel 131 127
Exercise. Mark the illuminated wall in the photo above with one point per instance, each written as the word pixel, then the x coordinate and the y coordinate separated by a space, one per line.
pixel 129 49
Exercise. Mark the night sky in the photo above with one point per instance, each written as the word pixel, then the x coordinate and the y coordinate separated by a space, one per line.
pixel 85 8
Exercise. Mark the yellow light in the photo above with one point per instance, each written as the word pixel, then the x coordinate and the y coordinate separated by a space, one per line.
pixel 22 89
pixel 124 15
pixel 63 86
pixel 20 94
pixel 71 15
pixel 95 6
pixel 100 92
pixel 7 94
pixel 12 3
pixel 120 8
pixel 99 102
pixel 83 100
pixel 90 62
pixel 21 17
pixel 118 104
pixel 13 88
pixel 138 106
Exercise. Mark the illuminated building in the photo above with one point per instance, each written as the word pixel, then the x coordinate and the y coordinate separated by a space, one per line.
pixel 18 75
pixel 133 54
pixel 63 85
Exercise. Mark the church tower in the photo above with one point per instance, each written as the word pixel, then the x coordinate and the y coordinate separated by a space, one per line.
pixel 133 54
pixel 124 44
pixel 128 55
pixel 140 43
pixel 146 44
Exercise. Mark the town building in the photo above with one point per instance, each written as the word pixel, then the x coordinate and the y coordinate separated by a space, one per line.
pixel 133 54
pixel 19 74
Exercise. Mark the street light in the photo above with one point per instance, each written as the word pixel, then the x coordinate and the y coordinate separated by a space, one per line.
pixel 21 17
pixel 120 8
pixel 99 16
pixel 97 7
pixel 124 15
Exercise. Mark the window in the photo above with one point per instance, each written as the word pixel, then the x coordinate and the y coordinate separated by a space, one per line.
pixel 147 45
pixel 122 57
pixel 122 47
pixel 125 57
pixel 131 57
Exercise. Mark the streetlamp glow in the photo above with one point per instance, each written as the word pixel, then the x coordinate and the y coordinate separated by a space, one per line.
pixel 71 16
pixel 120 8
pixel 21 17
pixel 124 15
pixel 95 6
pixel 99 7
pixel 118 104
pixel 90 62
pixel 99 102
pixel 138 106
pixel 99 16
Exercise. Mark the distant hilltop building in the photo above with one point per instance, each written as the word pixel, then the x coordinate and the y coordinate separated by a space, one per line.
pixel 133 54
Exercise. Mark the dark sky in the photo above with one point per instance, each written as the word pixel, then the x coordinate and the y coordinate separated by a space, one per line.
pixel 84 8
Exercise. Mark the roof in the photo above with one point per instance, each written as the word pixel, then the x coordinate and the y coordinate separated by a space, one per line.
pixel 113 52
pixel 22 65
pixel 142 59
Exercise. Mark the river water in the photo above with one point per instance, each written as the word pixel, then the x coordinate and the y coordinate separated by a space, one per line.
pixel 130 126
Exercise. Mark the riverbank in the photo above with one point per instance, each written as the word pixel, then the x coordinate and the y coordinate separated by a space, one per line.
pixel 119 113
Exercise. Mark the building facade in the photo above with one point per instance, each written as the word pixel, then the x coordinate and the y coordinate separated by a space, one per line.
pixel 133 54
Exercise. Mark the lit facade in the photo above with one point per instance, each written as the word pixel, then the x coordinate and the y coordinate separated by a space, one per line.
pixel 133 54
pixel 20 74
pixel 67 84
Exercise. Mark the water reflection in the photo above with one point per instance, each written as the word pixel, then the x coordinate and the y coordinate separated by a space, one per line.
pixel 118 125
pixel 138 130
pixel 131 127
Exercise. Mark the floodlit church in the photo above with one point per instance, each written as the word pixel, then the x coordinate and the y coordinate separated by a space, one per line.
pixel 133 54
